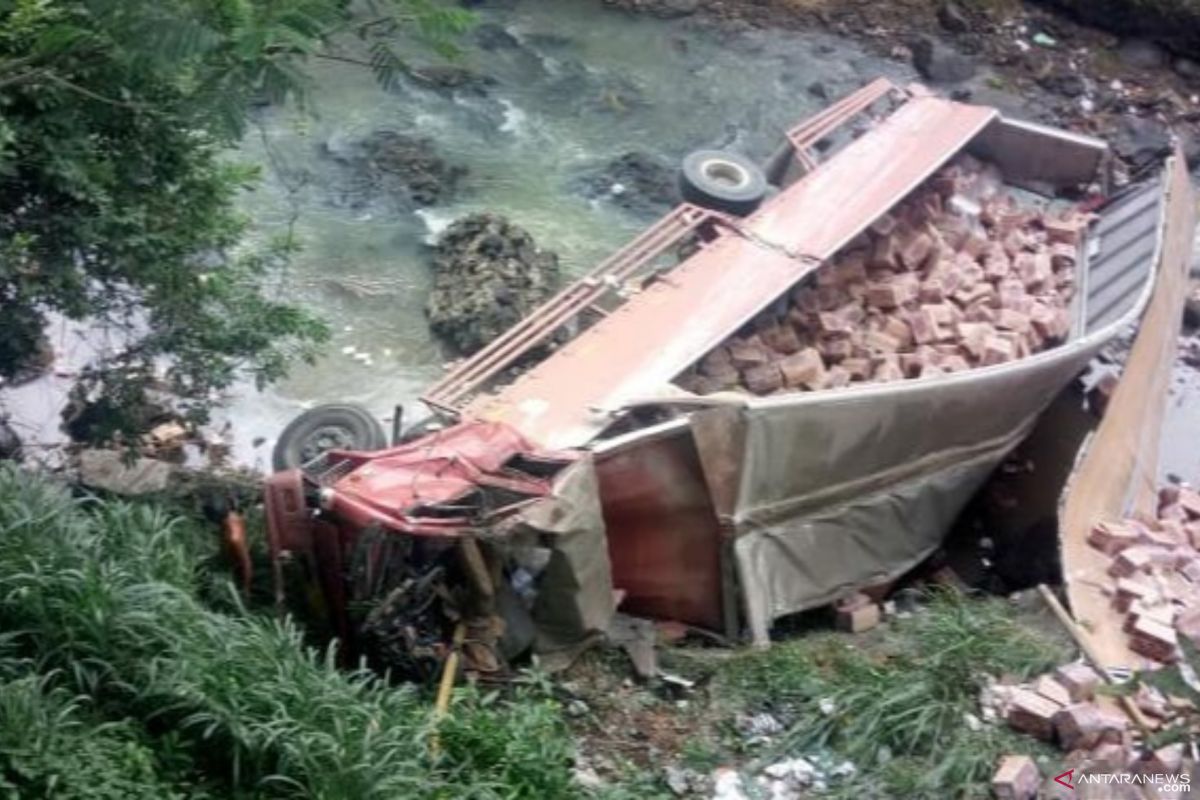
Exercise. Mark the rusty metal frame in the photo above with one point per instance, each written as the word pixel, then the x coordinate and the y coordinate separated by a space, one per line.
pixel 455 389
pixel 453 392
pixel 804 136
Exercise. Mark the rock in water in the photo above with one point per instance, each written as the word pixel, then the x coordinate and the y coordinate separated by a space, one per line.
pixel 488 274
pixel 10 442
pixel 673 9
pixel 390 164
pixel 635 181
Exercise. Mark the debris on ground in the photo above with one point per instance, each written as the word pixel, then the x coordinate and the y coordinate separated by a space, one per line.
pixel 488 275
pixel 959 275
pixel 789 778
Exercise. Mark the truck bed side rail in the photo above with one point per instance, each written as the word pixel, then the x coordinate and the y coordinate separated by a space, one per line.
pixel 458 386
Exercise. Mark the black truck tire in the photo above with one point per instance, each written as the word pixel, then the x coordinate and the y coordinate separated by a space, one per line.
pixel 344 426
pixel 722 181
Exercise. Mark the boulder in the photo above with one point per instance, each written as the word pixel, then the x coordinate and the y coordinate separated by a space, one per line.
pixel 635 181
pixel 112 471
pixel 952 17
pixel 491 36
pixel 393 165
pixel 449 78
pixel 10 442
pixel 674 9
pixel 1187 68
pixel 488 274
pixel 939 64
pixel 1141 141
pixel 1064 81
pixel 1142 54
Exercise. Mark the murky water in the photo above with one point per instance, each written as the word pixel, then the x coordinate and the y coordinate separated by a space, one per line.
pixel 574 86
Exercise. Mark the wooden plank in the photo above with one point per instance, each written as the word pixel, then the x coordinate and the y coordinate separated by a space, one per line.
pixel 1117 473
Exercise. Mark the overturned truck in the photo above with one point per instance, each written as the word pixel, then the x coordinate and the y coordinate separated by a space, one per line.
pixel 784 390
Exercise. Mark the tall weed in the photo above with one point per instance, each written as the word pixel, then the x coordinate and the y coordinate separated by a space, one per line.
pixel 105 597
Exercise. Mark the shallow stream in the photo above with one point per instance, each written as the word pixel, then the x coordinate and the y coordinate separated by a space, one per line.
pixel 573 86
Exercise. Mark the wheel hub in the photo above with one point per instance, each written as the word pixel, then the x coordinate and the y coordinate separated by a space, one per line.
pixel 325 438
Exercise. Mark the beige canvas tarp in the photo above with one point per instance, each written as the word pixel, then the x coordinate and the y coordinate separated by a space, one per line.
pixel 821 493
pixel 574 600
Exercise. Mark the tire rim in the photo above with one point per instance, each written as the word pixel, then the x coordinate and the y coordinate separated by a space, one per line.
pixel 725 173
pixel 324 439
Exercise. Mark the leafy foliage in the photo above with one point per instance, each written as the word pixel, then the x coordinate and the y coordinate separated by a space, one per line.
pixel 51 747
pixel 117 206
pixel 104 600
pixel 900 713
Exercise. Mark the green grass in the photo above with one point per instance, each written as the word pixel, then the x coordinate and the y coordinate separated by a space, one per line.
pixel 104 600
pixel 53 747
pixel 898 709
pixel 126 664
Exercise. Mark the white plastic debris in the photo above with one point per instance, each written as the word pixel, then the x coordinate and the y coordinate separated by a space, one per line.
pixel 827 706
pixel 1087 104
pixel 965 207
pixel 727 785
pixel 759 725
pixel 587 778
pixel 797 771
pixel 348 350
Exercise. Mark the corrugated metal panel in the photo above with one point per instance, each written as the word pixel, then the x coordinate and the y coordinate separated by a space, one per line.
pixel 1122 255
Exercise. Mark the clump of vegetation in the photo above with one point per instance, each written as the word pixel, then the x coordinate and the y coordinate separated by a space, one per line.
pixel 102 598
pixel 52 746
pixel 902 712
pixel 118 202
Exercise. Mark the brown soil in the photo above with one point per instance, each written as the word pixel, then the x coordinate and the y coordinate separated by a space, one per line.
pixel 1047 75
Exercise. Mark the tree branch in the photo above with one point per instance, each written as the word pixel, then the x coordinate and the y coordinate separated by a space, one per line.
pixel 358 62
pixel 74 87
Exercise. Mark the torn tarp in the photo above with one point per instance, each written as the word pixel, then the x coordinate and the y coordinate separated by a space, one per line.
pixel 824 492
pixel 574 598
